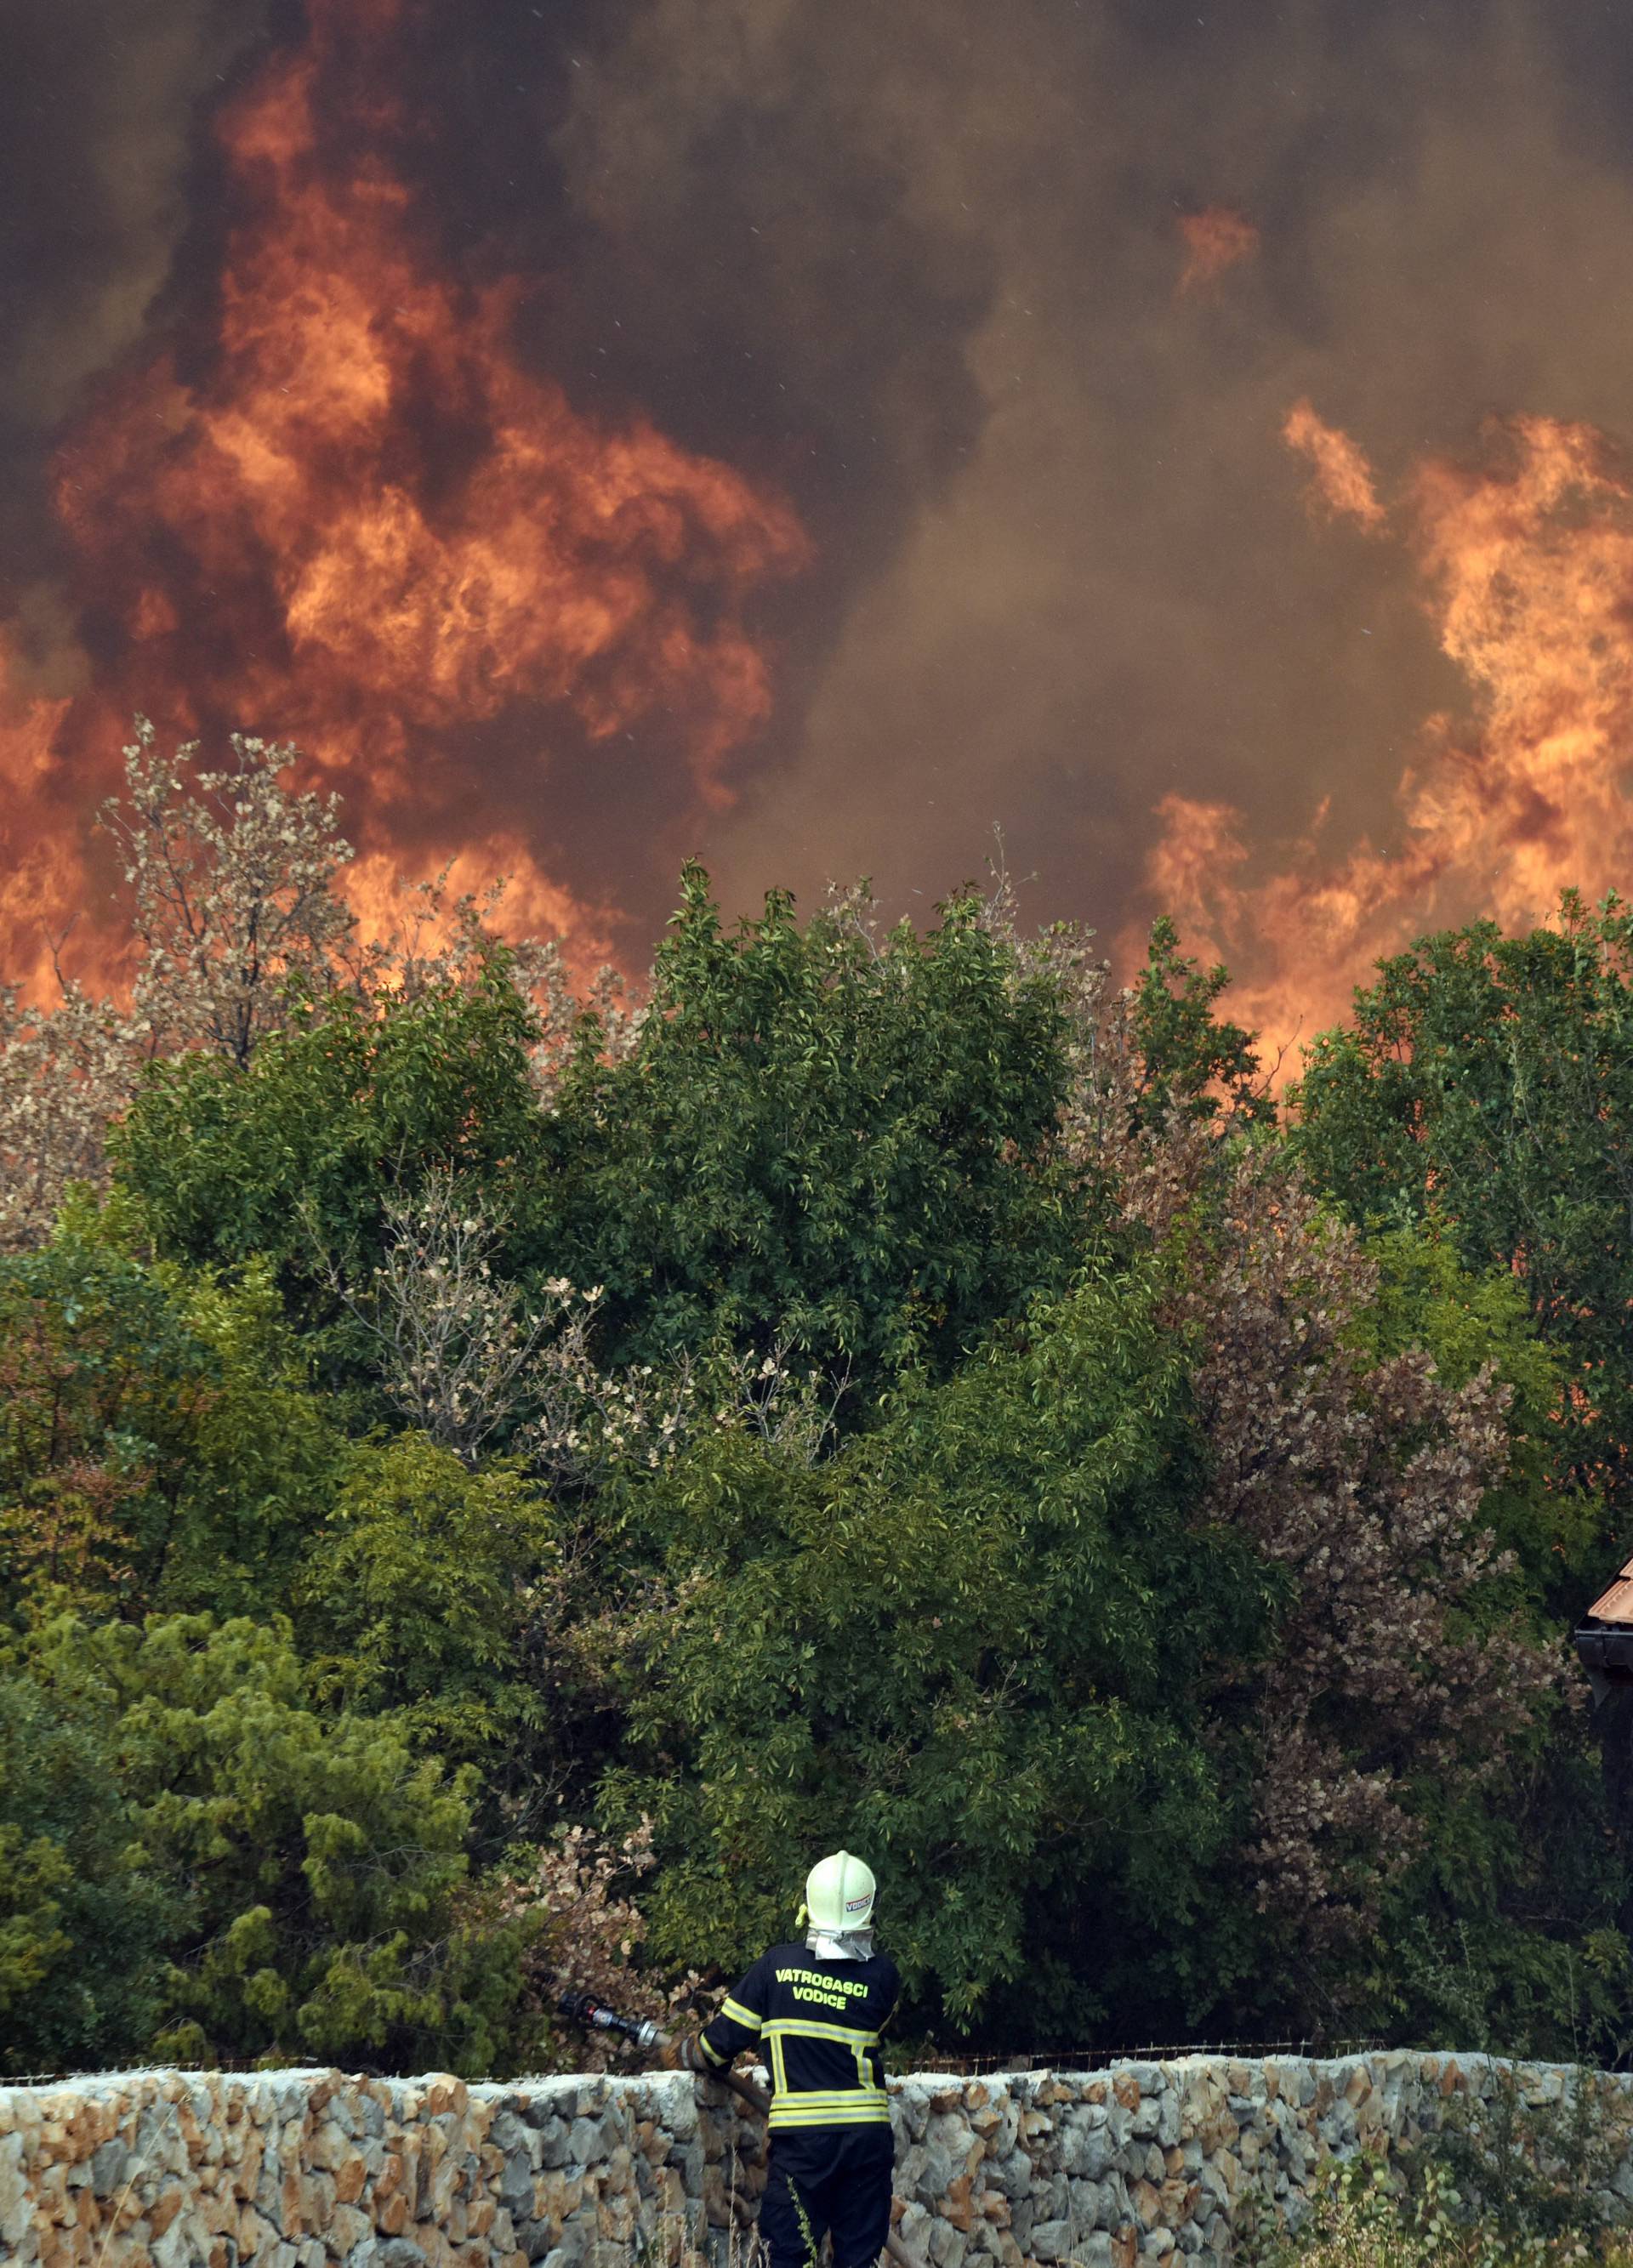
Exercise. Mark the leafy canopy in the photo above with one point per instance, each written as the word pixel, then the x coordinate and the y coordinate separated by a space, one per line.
pixel 823 1134
pixel 158 1445
pixel 1488 1080
pixel 318 1861
pixel 427 1596
pixel 971 1645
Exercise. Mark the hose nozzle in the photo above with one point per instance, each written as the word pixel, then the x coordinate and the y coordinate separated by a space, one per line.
pixel 596 2016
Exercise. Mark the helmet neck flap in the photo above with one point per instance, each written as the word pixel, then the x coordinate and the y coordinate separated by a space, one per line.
pixel 850 1945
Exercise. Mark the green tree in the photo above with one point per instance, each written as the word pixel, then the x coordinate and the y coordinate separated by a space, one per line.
pixel 430 1595
pixel 817 1135
pixel 158 1447
pixel 1187 1057
pixel 319 1864
pixel 974 1645
pixel 1507 1930
pixel 1488 1080
pixel 821 1134
pixel 294 1158
pixel 1410 1688
pixel 1470 1321
pixel 83 1920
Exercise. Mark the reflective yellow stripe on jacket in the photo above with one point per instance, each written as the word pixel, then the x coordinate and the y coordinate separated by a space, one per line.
pixel 865 2104
pixel 807 2027
pixel 852 2106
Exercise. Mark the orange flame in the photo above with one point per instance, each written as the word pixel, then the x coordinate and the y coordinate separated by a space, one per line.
pixel 1341 478
pixel 44 879
pixel 1214 239
pixel 1527 563
pixel 360 521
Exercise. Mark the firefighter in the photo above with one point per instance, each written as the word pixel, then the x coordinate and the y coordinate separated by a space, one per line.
pixel 815 2010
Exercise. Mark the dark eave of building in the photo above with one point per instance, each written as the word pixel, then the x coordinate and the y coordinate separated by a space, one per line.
pixel 1605 1641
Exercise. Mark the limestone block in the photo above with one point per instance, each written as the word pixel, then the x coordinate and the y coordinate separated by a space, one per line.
pixel 1087 2150
pixel 951 2132
pixel 1148 2202
pixel 515 2187
pixel 958 2205
pixel 946 2244
pixel 1052 2197
pixel 1180 2199
pixel 347 2229
pixel 110 2165
pixel 1117 2209
pixel 555 2144
pixel 1010 2176
pixel 688 2161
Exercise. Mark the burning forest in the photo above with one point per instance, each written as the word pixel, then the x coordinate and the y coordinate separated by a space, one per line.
pixel 528 1414
pixel 583 478
pixel 337 499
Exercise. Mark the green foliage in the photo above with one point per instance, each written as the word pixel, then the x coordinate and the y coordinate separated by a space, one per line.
pixel 815 1136
pixel 971 1646
pixel 821 1136
pixel 292 1158
pixel 1365 2214
pixel 428 1592
pixel 1061 1516
pixel 1190 1059
pixel 1506 1931
pixel 1469 1320
pixel 1531 2165
pixel 318 1863
pixel 1488 1080
pixel 70 1883
pixel 157 1446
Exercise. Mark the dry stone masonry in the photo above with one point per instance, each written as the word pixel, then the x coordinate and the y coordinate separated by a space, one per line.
pixel 314 2169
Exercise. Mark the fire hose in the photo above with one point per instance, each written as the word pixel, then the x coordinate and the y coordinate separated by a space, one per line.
pixel 641 2032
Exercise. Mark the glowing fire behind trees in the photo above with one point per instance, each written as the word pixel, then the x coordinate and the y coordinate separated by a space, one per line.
pixel 357 519
pixel 1527 563
pixel 344 509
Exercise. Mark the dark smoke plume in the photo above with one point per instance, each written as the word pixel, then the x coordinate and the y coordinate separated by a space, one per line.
pixel 1012 304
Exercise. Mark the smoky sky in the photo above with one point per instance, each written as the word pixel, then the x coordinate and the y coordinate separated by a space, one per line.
pixel 916 266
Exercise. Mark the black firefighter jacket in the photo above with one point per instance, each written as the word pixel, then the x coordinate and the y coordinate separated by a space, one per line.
pixel 817 2024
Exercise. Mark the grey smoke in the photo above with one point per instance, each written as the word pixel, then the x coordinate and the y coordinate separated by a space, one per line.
pixel 917 264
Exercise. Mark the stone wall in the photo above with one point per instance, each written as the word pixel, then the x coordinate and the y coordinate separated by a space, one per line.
pixel 306 2168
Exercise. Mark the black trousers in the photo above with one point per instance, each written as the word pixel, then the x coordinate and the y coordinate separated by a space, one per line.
pixel 823 2178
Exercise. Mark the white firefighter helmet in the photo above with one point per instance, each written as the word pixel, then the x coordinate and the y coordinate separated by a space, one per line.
pixel 839 1894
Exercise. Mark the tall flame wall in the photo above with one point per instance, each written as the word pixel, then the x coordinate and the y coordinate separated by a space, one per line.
pixel 306 2168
